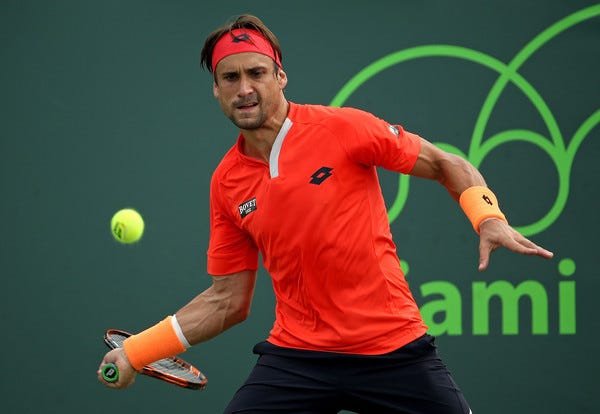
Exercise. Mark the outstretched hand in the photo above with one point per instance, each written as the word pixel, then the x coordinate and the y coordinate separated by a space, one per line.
pixel 495 233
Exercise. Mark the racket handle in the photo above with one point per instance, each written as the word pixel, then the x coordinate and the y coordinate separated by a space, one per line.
pixel 110 372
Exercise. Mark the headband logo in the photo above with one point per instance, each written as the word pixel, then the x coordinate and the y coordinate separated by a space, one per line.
pixel 242 37
pixel 240 41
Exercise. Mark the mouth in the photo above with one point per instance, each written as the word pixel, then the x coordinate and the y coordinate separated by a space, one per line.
pixel 247 106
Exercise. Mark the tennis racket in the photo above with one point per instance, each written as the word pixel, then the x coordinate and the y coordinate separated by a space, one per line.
pixel 173 369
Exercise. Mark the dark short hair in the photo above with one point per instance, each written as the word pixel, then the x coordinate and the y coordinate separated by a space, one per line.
pixel 245 21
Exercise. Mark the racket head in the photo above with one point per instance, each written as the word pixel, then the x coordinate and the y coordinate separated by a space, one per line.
pixel 172 369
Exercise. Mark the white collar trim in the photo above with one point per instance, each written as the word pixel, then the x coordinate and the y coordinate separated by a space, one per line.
pixel 276 150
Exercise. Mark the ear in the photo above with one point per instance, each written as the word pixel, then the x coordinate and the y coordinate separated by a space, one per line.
pixel 282 79
pixel 216 90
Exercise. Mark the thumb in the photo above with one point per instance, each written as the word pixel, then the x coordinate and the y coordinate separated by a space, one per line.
pixel 484 256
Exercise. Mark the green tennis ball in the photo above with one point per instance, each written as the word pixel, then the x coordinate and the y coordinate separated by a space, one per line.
pixel 127 225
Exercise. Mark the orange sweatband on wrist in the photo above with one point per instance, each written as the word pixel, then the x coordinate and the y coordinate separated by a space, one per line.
pixel 157 342
pixel 479 203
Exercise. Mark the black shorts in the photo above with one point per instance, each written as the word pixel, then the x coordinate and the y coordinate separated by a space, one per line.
pixel 410 380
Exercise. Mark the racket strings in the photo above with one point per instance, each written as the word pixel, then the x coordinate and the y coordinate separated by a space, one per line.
pixel 177 370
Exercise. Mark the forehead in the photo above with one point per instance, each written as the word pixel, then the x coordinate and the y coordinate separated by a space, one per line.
pixel 241 61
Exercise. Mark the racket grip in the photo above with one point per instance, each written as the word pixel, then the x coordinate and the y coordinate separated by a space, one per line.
pixel 110 372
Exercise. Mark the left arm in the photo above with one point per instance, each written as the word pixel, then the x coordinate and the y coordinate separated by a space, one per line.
pixel 456 175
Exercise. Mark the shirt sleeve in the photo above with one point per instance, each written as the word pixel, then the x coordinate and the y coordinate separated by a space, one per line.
pixel 230 248
pixel 372 141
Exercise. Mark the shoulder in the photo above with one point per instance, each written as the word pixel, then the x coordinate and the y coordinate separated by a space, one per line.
pixel 328 116
pixel 227 164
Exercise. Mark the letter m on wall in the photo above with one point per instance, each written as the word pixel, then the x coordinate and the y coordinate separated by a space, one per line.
pixel 510 296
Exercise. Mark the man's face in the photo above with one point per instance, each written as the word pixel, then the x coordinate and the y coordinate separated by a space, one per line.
pixel 248 89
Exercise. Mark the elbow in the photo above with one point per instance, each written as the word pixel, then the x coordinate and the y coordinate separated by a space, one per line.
pixel 238 312
pixel 233 297
pixel 242 314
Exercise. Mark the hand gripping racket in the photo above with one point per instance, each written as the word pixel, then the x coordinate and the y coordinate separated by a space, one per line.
pixel 173 369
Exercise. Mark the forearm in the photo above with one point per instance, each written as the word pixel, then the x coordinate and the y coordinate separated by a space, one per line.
pixel 462 181
pixel 224 304
pixel 218 308
pixel 455 173
pixel 206 316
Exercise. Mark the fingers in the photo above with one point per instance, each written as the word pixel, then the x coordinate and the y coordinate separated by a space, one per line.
pixel 124 380
pixel 483 263
pixel 496 233
pixel 526 246
pixel 126 373
pixel 521 245
pixel 485 249
pixel 102 379
pixel 106 360
pixel 541 252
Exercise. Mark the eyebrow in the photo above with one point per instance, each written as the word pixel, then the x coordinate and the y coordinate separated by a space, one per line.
pixel 247 70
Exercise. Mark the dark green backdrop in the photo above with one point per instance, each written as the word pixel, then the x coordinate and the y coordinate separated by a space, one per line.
pixel 104 106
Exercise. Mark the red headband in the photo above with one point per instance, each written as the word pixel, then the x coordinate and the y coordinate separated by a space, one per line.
pixel 242 40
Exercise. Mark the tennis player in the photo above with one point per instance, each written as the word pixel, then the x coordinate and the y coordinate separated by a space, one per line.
pixel 300 187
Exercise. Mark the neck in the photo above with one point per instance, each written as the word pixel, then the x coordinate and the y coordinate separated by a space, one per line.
pixel 258 142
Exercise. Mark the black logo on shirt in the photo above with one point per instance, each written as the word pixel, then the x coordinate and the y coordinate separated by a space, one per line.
pixel 247 207
pixel 321 175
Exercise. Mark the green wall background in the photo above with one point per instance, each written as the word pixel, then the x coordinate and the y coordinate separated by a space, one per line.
pixel 104 106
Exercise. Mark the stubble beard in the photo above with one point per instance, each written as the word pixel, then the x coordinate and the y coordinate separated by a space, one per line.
pixel 249 123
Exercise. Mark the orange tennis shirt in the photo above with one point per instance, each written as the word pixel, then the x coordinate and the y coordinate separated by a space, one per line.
pixel 317 216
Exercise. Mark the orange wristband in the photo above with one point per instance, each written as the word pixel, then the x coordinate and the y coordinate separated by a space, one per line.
pixel 157 342
pixel 479 203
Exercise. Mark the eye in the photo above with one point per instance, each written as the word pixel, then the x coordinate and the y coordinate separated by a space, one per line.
pixel 257 73
pixel 230 76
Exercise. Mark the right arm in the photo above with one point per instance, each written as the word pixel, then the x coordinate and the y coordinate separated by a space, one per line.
pixel 225 303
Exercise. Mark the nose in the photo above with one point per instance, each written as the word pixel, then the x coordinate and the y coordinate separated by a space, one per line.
pixel 246 87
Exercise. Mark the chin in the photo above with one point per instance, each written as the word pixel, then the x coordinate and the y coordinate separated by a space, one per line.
pixel 248 123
